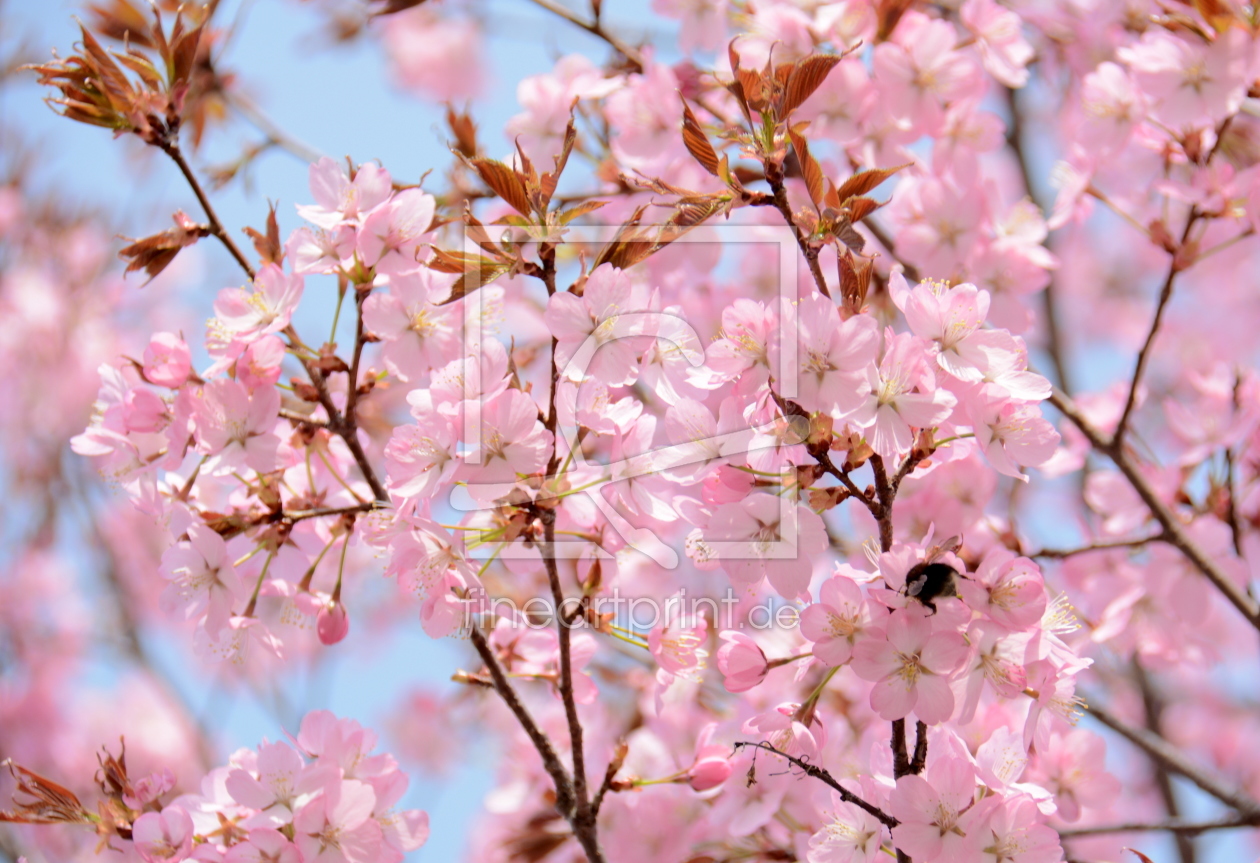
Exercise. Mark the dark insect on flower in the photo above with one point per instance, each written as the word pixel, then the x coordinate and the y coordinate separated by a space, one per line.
pixel 929 579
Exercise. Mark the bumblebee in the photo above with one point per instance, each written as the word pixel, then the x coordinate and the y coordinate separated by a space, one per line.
pixel 929 580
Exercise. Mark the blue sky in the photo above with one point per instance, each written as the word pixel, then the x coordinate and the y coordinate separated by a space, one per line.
pixel 339 100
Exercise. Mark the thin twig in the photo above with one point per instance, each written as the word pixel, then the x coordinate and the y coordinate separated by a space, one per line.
pixel 551 762
pixel 1144 355
pixel 352 389
pixel 302 419
pixel 1099 545
pixel 825 462
pixel 1054 337
pixel 609 775
pixel 1173 759
pixel 823 776
pixel 1153 708
pixel 303 514
pixel 774 176
pixel 276 135
pixel 216 227
pixel 1174 531
pixel 596 29
pixel 885 239
pixel 1175 825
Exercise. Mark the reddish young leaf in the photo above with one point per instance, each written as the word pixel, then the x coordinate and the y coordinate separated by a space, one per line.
pixel 464 130
pixel 864 181
pixel 697 142
pixel 807 76
pixel 153 254
pixel 270 249
pixel 551 179
pixel 505 182
pixel 810 170
pixel 860 208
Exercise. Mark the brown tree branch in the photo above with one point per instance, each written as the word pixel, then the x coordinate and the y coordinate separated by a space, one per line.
pixel 551 762
pixel 1152 709
pixel 1144 355
pixel 1175 761
pixel 1054 337
pixel 1174 531
pixel 920 747
pixel 1175 825
pixel 890 246
pixel 901 757
pixel 1098 545
pixel 216 227
pixel 823 776
pixel 774 176
pixel 583 818
pixel 596 29
pixel 303 514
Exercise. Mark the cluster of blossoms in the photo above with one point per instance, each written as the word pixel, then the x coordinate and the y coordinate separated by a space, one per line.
pixel 321 797
pixel 527 424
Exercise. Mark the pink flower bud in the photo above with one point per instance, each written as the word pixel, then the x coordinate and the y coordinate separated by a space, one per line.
pixel 167 361
pixel 332 623
pixel 710 770
pixel 741 661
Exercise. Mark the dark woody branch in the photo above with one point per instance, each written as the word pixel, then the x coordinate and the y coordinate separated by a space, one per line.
pixel 823 776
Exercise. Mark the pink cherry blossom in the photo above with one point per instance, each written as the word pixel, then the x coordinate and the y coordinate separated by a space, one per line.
pixel 1012 833
pixel 593 329
pixel 421 457
pixel 677 642
pixel 1072 767
pixel 263 845
pixel 911 666
pixel 1002 46
pixel 235 427
pixel 712 765
pixel 852 835
pixel 1011 434
pixel 337 827
pixel 202 579
pixel 902 396
pixel 938 814
pixel 392 234
pixel 833 356
pixel 836 621
pixel 332 623
pixel 438 56
pixel 512 443
pixel 163 837
pixel 167 360
pixel 771 538
pixel 799 736
pixel 419 334
pixel 242 316
pixel 1009 589
pixel 338 198
pixel 259 366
